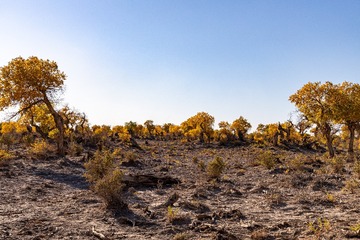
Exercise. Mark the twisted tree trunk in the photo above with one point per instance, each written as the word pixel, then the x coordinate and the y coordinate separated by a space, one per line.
pixel 59 122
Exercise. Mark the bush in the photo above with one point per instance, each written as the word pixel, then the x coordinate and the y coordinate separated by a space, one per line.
pixel 296 163
pixel 42 149
pixel 356 168
pixel 75 149
pixel 266 159
pixel 215 168
pixel 181 236
pixel 109 188
pixel 106 178
pixel 5 156
pixel 172 214
pixel 337 164
pixel 355 228
pixel 99 166
pixel 319 227
pixel 351 185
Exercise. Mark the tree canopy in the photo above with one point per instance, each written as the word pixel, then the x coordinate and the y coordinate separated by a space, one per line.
pixel 25 83
pixel 329 104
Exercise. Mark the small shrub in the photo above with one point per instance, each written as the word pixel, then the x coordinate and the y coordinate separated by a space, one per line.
pixel 351 185
pixel 109 188
pixel 260 235
pixel 337 164
pixel 5 156
pixel 330 197
pixel 181 236
pixel 172 214
pixel 7 140
pixel 195 160
pixel 355 228
pixel 28 139
pixel 215 168
pixel 356 169
pixel 118 152
pixel 319 227
pixel 99 166
pixel 296 163
pixel 42 149
pixel 267 159
pixel 75 149
pixel 275 199
pixel 106 179
pixel 125 137
pixel 201 165
pixel 130 156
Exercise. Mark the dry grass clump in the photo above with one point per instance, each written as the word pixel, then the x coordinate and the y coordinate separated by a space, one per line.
pixel 275 199
pixel 337 164
pixel 355 228
pixel 5 156
pixel 181 236
pixel 124 155
pixel 174 217
pixel 296 163
pixel 201 165
pixel 99 166
pixel 42 149
pixel 106 178
pixel 356 169
pixel 330 198
pixel 75 149
pixel 109 188
pixel 319 227
pixel 215 168
pixel 351 185
pixel 172 214
pixel 260 235
pixel 266 159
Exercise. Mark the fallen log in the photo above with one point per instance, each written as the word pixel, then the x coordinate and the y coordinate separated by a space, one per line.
pixel 149 180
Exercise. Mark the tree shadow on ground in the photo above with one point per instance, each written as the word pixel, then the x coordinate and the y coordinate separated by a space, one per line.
pixel 72 179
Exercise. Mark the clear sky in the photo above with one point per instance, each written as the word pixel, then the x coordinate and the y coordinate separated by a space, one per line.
pixel 166 60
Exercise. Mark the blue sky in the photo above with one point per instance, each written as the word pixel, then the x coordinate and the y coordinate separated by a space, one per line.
pixel 167 60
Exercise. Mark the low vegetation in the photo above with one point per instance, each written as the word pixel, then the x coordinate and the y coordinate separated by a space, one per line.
pixel 105 178
pixel 230 183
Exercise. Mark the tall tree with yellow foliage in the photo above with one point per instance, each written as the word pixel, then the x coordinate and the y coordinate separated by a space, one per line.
pixel 25 83
pixel 346 102
pixel 315 101
pixel 200 126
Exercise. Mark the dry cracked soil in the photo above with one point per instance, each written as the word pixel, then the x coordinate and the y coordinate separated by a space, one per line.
pixel 170 196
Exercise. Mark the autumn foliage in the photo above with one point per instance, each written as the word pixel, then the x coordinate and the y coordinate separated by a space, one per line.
pixel 329 114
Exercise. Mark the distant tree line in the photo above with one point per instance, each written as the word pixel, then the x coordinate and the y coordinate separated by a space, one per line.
pixel 328 115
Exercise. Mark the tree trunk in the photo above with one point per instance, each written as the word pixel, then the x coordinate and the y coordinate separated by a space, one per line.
pixel 275 139
pixel 351 128
pixel 330 146
pixel 201 137
pixel 329 140
pixel 241 136
pixel 59 121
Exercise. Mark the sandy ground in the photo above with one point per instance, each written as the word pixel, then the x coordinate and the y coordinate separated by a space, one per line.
pixel 50 199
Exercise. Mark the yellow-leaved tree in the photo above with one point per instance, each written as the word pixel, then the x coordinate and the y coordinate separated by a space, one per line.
pixel 240 127
pixel 25 83
pixel 315 102
pixel 346 102
pixel 199 126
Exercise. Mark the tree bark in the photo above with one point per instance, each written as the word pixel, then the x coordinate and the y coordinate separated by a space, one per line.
pixel 351 128
pixel 59 122
pixel 329 140
pixel 275 139
pixel 240 136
